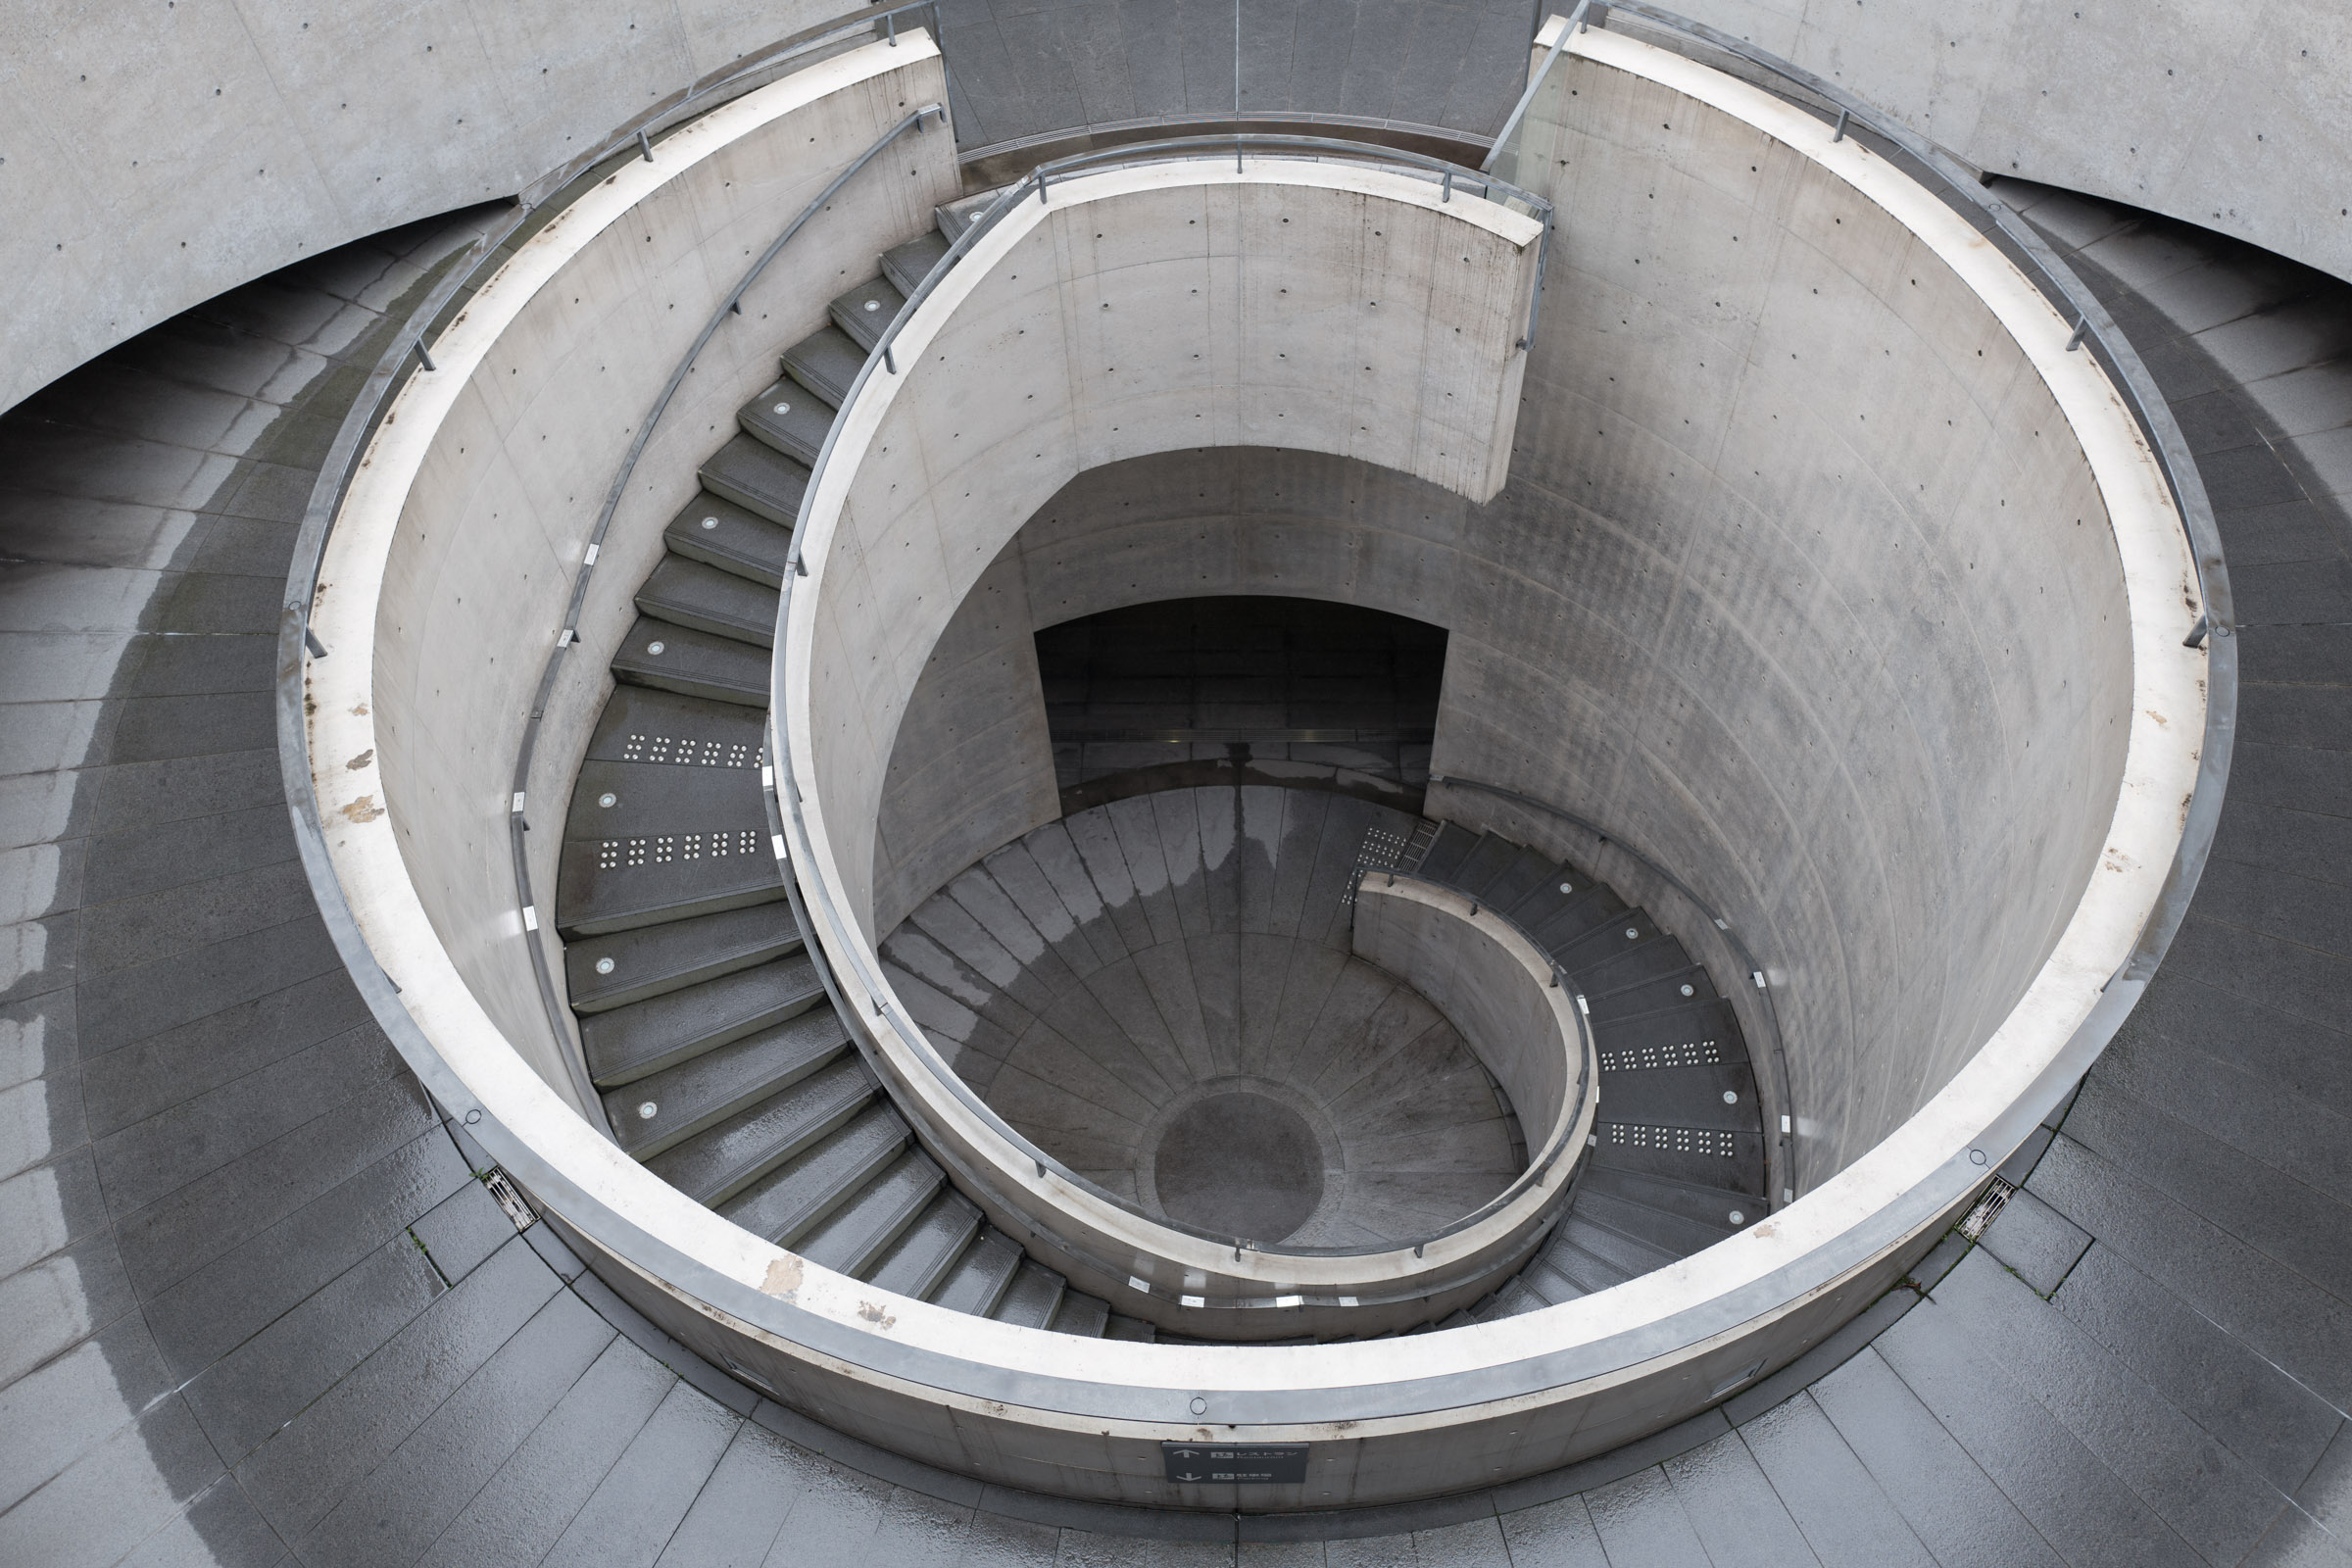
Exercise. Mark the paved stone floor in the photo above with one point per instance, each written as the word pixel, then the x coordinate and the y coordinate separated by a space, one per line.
pixel 256 1311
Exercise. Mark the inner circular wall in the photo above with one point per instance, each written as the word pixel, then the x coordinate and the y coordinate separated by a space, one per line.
pixel 1800 583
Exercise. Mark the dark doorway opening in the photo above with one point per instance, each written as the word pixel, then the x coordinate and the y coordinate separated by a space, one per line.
pixel 1239 680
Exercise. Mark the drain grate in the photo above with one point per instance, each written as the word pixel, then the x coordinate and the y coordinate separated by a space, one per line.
pixel 1988 1209
pixel 510 1198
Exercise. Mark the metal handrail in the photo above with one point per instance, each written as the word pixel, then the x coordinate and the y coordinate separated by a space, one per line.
pixel 792 825
pixel 410 354
pixel 1747 959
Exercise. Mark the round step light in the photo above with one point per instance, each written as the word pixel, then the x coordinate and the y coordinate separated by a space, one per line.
pixel 604 966
pixel 654 649
pixel 1730 1096
pixel 647 1109
pixel 709 523
pixel 1565 888
pixel 873 305
pixel 1687 991
pixel 1632 932
pixel 1738 1218
pixel 783 408
pixel 608 800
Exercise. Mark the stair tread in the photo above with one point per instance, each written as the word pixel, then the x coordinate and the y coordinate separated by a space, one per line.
pixel 1487 860
pixel 866 310
pixel 1445 852
pixel 921 1257
pixel 1080 1315
pixel 704 597
pixel 1029 1302
pixel 714 1165
pixel 632 799
pixel 645 1037
pixel 716 532
pixel 980 1276
pixel 1681 1096
pixel 608 885
pixel 693 663
pixel 799 1194
pixel 789 417
pixel 652 960
pixel 756 477
pixel 1676 1234
pixel 955 217
pixel 826 363
pixel 1690 1032
pixel 646 724
pixel 704 1091
pixel 858 1232
pixel 1133 1330
pixel 907 264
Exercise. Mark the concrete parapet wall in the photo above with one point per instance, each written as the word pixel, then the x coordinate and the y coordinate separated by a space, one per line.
pixel 1492 983
pixel 464 531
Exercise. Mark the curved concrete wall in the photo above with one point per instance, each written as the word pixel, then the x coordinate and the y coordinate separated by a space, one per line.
pixel 459 543
pixel 1329 306
pixel 1494 985
pixel 2229 116
pixel 1800 583
pixel 153 156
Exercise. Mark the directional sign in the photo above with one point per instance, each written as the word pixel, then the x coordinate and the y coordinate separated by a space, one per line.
pixel 1247 1464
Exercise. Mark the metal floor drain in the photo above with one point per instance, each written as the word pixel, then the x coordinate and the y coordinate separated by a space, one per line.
pixel 510 1198
pixel 1995 1198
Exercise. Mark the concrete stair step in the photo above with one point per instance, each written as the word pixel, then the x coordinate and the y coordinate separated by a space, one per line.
pixel 645 724
pixel 1675 1233
pixel 1083 1315
pixel 700 1093
pixel 1606 941
pixel 1563 918
pixel 693 663
pixel 826 363
pixel 629 1043
pixel 1528 873
pixel 1489 858
pixel 716 532
pixel 1646 978
pixel 861 1230
pixel 788 417
pixel 866 310
pixel 981 1275
pixel 1705 1205
pixel 704 597
pixel 1701 1156
pixel 1447 852
pixel 1133 1330
pixel 712 1166
pixel 800 1194
pixel 1032 1298
pixel 1692 1033
pixel 906 266
pixel 630 799
pixel 756 477
pixel 958 215
pixel 621 884
pixel 609 971
pixel 917 1261
pixel 1586 1273
pixel 1681 1096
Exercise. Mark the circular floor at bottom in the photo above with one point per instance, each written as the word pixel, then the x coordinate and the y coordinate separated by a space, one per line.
pixel 1161 993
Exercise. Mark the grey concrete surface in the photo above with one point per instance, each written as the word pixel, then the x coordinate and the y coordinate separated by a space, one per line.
pixel 1104 977
pixel 2183 1397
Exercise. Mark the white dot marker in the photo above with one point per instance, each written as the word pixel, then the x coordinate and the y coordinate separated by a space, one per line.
pixel 647 1111
pixel 783 408
pixel 604 966
pixel 709 523
pixel 654 649
pixel 607 801
pixel 1730 1096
